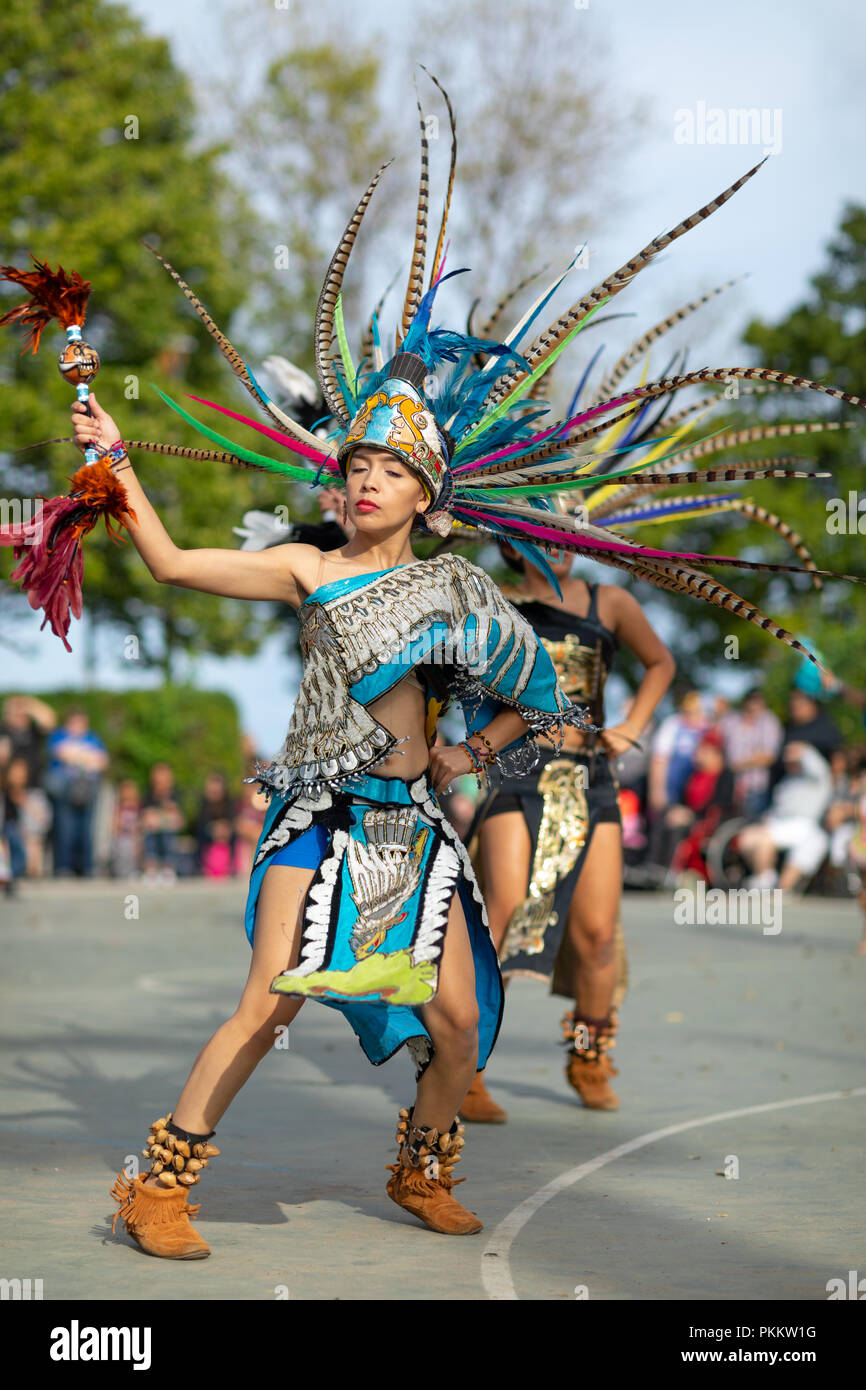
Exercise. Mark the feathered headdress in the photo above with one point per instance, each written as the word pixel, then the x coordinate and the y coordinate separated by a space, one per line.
pixel 467 414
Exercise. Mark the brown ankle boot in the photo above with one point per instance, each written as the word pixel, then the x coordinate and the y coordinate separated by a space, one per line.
pixel 479 1107
pixel 606 1039
pixel 158 1218
pixel 588 1066
pixel 155 1212
pixel 423 1176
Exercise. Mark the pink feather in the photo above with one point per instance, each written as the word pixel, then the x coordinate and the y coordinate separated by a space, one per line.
pixel 442 263
pixel 564 538
pixel 277 435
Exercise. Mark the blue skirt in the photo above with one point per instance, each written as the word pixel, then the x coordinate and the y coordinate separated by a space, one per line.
pixel 386 866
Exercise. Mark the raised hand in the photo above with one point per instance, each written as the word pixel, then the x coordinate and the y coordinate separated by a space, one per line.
pixel 96 428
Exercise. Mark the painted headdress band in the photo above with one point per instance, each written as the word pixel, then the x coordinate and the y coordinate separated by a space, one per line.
pixel 396 417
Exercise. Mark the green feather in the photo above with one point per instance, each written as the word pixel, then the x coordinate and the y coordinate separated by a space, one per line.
pixel 287 470
pixel 345 352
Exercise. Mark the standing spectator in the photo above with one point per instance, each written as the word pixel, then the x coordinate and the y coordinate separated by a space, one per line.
pixel 752 737
pixel 25 816
pixel 673 751
pixel 126 831
pixel 671 764
pixel 13 784
pixel 24 726
pixel 161 820
pixel 215 829
pixel 78 760
pixel 793 821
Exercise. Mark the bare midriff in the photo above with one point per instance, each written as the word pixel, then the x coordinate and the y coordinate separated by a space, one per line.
pixel 402 711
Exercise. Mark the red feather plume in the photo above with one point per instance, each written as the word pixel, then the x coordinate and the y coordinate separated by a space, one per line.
pixel 49 546
pixel 53 294
pixel 52 567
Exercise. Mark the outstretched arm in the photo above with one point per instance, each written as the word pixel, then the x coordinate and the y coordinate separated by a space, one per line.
pixel 277 573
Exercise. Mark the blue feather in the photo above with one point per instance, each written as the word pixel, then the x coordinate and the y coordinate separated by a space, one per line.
pixel 572 404
pixel 669 507
pixel 537 558
pixel 418 326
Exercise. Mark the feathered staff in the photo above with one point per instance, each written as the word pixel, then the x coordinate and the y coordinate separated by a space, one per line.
pixel 52 566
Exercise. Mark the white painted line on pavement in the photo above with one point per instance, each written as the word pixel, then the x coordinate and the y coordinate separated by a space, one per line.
pixel 495 1261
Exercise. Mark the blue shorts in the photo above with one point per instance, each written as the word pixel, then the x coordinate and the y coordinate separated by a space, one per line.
pixel 307 852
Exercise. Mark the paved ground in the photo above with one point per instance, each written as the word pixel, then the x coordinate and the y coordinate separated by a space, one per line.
pixel 103 1015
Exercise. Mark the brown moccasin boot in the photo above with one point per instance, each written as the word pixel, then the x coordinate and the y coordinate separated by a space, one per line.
pixel 423 1176
pixel 590 1080
pixel 155 1213
pixel 589 1066
pixel 479 1107
pixel 158 1218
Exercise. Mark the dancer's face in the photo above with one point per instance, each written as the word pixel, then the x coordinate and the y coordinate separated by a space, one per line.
pixel 382 494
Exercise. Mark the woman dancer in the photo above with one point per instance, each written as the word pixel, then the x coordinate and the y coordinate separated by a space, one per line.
pixel 361 895
pixel 550 845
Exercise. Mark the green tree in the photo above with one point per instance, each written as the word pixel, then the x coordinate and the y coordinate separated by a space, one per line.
pixel 98 150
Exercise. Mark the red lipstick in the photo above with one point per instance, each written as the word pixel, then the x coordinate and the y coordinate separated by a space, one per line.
pixel 366 506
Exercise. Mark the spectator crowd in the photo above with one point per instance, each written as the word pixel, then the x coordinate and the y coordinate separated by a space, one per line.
pixel 789 798
pixel 62 814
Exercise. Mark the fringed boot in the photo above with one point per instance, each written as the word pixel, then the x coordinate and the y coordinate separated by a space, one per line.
pixel 589 1066
pixel 479 1107
pixel 153 1206
pixel 423 1176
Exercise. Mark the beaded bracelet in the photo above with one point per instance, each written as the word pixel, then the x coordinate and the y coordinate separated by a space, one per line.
pixel 117 451
pixel 490 756
pixel 474 757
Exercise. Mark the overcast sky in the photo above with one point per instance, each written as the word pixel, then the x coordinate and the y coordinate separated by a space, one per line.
pixel 798 63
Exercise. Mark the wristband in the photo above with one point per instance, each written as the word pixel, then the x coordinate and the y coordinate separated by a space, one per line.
pixel 490 756
pixel 474 757
pixel 116 452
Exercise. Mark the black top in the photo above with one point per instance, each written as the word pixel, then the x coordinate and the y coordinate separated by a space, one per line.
pixel 820 732
pixel 582 649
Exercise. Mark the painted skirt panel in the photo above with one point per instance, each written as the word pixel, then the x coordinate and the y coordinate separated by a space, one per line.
pixel 377 910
